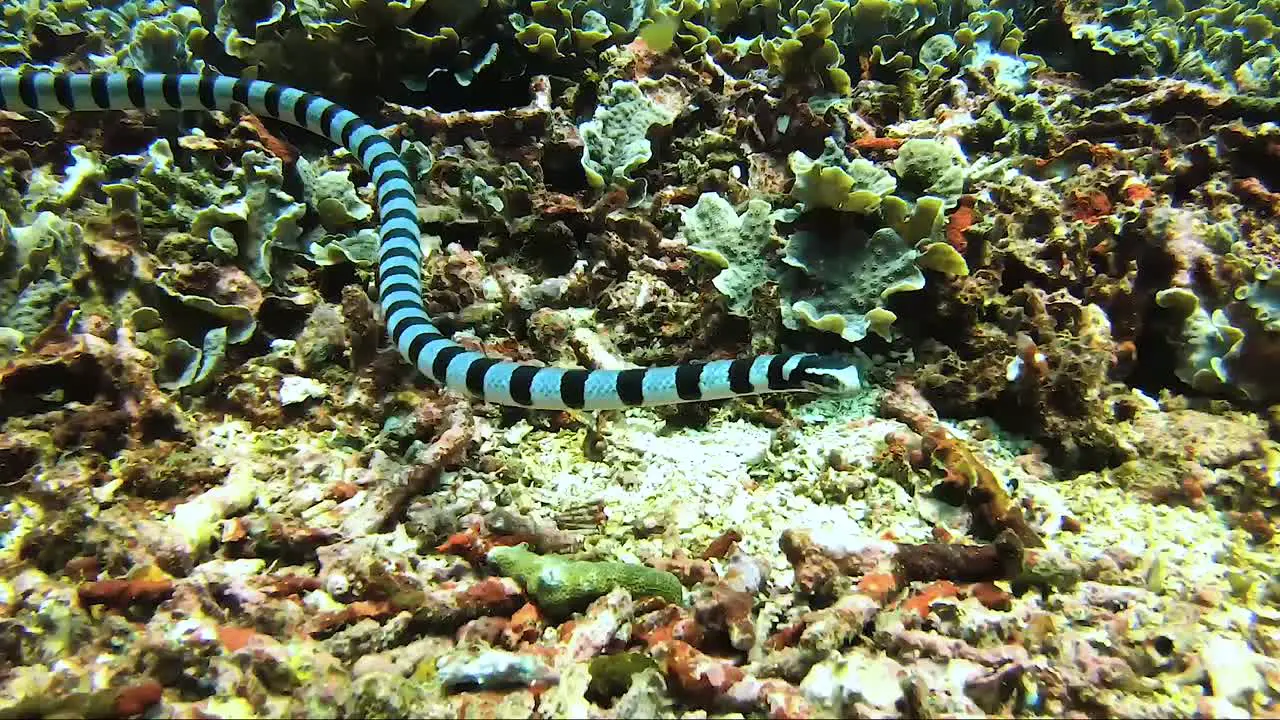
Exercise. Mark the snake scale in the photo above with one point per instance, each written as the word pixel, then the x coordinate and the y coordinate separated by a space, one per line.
pixel 400 255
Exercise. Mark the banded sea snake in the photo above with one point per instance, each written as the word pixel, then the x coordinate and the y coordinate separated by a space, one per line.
pixel 400 255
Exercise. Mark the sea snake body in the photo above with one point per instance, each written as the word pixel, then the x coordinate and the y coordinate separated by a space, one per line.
pixel 400 254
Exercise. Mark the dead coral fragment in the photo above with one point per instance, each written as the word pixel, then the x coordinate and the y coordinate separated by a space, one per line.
pixel 984 493
pixel 885 566
pixel 561 586
pixel 492 669
pixel 107 389
pixel 122 594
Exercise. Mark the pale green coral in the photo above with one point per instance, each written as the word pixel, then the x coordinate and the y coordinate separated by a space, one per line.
pixel 1208 340
pixel 38 261
pixel 360 248
pixel 344 48
pixel 1262 297
pixel 333 196
pixel 738 244
pixel 169 43
pixel 556 28
pixel 186 367
pixel 1223 43
pixel 846 282
pixel 989 40
pixel 48 191
pixel 251 228
pixel 806 46
pixel 152 36
pixel 917 222
pixel 615 141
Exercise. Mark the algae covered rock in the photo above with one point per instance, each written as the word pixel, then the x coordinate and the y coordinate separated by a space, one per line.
pixel 561 586
pixel 613 675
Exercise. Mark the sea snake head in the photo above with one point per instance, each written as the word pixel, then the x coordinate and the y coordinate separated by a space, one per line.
pixel 831 374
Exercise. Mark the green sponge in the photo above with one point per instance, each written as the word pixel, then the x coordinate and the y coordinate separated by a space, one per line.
pixel 561 586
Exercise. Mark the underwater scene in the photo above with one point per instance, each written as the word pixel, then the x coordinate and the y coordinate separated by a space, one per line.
pixel 639 358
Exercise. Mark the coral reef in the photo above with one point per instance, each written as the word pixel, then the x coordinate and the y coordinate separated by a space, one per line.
pixel 1046 233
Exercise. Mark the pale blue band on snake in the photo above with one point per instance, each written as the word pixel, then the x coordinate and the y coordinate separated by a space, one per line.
pixel 400 255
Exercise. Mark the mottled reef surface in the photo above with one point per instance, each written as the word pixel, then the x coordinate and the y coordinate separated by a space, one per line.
pixel 1046 232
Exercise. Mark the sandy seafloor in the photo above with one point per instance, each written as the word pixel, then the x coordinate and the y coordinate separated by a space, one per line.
pixel 1153 609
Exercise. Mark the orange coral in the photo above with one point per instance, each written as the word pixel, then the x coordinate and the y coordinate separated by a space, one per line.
pixel 135 699
pixel 962 218
pixel 287 153
pixel 525 626
pixel 1090 207
pixel 234 638
pixel 120 594
pixel 920 603
pixel 1137 192
pixel 872 142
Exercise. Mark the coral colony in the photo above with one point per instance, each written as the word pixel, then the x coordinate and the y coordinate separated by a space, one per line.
pixel 676 358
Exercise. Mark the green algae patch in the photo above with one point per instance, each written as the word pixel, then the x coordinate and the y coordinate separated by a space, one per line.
pixel 611 675
pixel 561 586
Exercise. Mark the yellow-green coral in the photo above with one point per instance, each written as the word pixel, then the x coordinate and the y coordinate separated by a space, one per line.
pixel 834 181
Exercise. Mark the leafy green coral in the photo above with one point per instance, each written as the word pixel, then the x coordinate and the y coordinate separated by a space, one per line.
pixel 1208 340
pixel 344 48
pixel 38 261
pixel 615 141
pixel 842 289
pixel 333 196
pixel 559 28
pixel 806 49
pixel 153 36
pixel 252 227
pixel 169 43
pixel 1228 345
pixel 1228 44
pixel 47 191
pixel 843 283
pixel 738 244
pixel 834 181
pixel 561 586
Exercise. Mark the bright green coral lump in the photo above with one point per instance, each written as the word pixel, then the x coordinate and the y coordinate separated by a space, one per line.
pixel 932 167
pixel 561 586
pixel 615 142
pixel 739 245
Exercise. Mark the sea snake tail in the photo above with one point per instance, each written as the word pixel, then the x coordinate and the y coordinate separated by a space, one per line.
pixel 400 254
